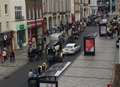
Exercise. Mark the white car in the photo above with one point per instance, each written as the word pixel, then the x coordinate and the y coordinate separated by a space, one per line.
pixel 71 48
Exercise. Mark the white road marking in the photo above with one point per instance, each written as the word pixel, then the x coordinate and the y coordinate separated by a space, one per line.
pixel 60 71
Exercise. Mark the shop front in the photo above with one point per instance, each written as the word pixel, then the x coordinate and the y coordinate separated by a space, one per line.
pixel 21 35
pixel 36 30
pixel 6 41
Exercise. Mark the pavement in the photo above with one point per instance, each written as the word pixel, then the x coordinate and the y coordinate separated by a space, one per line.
pixel 92 71
pixel 7 68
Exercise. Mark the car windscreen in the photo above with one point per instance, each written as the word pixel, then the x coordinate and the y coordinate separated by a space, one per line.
pixel 69 47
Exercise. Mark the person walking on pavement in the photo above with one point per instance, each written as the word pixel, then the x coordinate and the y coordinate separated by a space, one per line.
pixel 20 44
pixel 39 69
pixel 44 66
pixel 1 58
pixel 4 54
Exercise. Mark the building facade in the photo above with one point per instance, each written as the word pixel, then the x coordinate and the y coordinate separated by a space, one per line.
pixel 77 9
pixel 94 7
pixel 18 13
pixel 56 12
pixel 5 31
pixel 118 7
pixel 35 22
pixel 12 19
pixel 107 6
pixel 85 8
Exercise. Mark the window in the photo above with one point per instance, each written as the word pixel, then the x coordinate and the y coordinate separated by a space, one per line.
pixel 7 25
pixel 88 1
pixel 18 12
pixel 31 14
pixel 38 13
pixel 28 14
pixel 81 1
pixel 6 9
pixel 0 27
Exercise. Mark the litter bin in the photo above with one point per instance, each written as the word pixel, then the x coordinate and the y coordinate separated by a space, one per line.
pixel 89 46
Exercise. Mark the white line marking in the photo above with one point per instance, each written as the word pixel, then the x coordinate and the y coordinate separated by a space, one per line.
pixel 60 71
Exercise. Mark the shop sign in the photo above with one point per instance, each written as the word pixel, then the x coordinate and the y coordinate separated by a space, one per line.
pixel 35 23
pixel 21 27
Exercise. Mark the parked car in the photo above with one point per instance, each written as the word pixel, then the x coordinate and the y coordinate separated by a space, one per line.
pixel 71 48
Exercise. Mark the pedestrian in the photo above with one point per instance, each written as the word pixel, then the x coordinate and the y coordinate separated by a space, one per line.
pixel 4 55
pixel 39 69
pixel 20 44
pixel 29 50
pixel 30 73
pixel 12 56
pixel 44 66
pixel 1 58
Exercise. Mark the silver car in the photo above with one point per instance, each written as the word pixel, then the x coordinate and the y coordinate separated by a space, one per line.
pixel 71 48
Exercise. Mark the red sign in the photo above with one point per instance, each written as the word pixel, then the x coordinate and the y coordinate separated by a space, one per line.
pixel 89 43
pixel 40 22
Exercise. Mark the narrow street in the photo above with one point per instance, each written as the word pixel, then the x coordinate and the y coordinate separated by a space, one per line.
pixel 19 78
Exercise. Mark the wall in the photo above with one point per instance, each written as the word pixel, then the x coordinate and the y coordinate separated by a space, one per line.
pixel 4 17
